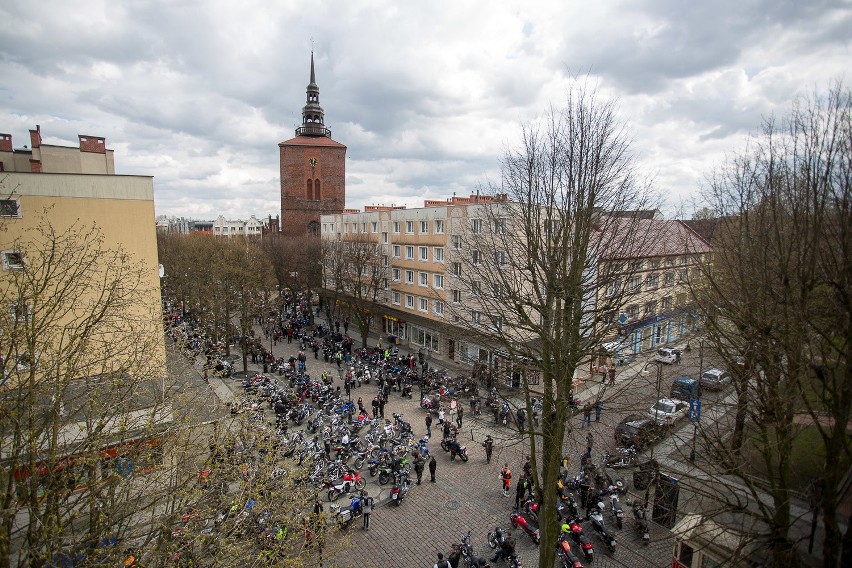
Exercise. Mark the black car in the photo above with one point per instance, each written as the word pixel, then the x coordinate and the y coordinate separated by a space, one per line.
pixel 637 431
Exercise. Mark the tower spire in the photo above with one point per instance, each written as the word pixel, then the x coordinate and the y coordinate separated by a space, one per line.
pixel 312 114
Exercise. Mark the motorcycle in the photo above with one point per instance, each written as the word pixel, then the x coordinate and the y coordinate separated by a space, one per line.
pixel 626 457
pixel 400 488
pixel 495 538
pixel 641 522
pixel 530 507
pixel 527 524
pixel 596 516
pixel 344 517
pixel 580 538
pixel 615 505
pixel 563 549
pixel 455 449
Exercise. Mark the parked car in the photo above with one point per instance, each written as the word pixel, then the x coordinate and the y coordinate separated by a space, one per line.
pixel 667 411
pixel 637 431
pixel 715 379
pixel 685 387
pixel 667 355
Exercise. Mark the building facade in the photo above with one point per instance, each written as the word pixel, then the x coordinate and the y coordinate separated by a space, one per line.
pixel 313 170
pixel 90 157
pixel 237 228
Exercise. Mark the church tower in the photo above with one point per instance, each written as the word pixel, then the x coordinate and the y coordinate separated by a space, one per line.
pixel 313 170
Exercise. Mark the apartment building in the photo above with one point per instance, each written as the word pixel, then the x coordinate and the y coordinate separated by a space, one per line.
pixel 431 302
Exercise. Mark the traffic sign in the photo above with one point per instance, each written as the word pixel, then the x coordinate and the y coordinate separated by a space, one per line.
pixel 695 410
pixel 622 318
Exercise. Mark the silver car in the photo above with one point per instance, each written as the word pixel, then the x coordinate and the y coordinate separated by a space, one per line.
pixel 715 379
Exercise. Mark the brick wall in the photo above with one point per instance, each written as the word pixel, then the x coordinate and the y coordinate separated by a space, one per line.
pixel 297 212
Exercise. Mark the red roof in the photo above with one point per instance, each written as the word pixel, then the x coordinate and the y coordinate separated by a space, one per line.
pixel 311 141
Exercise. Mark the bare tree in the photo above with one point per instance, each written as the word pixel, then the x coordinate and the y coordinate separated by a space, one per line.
pixel 537 254
pixel 778 306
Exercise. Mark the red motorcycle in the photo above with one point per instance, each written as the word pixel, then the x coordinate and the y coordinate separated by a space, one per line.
pixel 575 529
pixel 527 524
pixel 353 476
pixel 563 549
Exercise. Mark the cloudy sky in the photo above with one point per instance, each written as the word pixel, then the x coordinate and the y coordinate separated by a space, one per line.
pixel 426 95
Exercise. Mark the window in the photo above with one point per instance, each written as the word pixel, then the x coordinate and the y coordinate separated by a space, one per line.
pixel 652 282
pixel 396 251
pixel 425 338
pixel 474 257
pixel 424 278
pixel 500 259
pixel 476 226
pixel 475 316
pixel 9 208
pixel 497 323
pixel 396 274
pixel 364 227
pixel 439 226
pixel 670 261
pixel 455 268
pixel 457 296
pixel 632 312
pixel 669 279
pixel 396 227
pixel 409 301
pixel 424 254
pixel 636 264
pixel 396 297
pixel 409 227
pixel 613 288
pixel 634 284
pixel 683 276
pixel 409 252
pixel 684 260
pixel 409 277
pixel 384 260
pixel 457 242
pixel 654 264
pixel 424 227
pixel 667 303
pixel 438 307
pixel 438 254
pixel 438 281
pixel 13 260
pixel 608 317
pixel 498 290
pixel 475 289
pixel 20 312
pixel 385 238
pixel 617 267
pixel 651 308
pixel 374 228
pixel 385 284
pixel 499 227
pixel 424 305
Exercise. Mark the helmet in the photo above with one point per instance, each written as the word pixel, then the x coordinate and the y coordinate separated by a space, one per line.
pixel 566 528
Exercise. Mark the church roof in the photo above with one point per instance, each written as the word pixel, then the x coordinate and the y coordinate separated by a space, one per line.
pixel 312 141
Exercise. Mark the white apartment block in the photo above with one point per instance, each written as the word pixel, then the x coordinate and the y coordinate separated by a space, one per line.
pixel 225 228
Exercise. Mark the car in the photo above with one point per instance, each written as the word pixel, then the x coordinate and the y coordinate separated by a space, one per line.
pixel 637 431
pixel 715 379
pixel 685 387
pixel 667 355
pixel 668 411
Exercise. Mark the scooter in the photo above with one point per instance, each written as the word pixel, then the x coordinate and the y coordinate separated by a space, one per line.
pixel 527 524
pixel 400 488
pixel 641 522
pixel 581 539
pixel 596 516
pixel 563 549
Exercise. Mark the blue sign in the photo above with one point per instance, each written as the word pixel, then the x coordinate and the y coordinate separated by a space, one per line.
pixel 695 410
pixel 622 318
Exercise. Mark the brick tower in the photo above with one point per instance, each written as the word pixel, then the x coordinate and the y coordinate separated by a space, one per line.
pixel 313 170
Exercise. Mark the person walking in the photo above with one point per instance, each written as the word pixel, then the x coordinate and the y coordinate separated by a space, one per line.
pixel 429 425
pixel 459 415
pixel 419 464
pixel 598 410
pixel 366 509
pixel 506 478
pixel 488 444
pixel 433 465
pixel 587 415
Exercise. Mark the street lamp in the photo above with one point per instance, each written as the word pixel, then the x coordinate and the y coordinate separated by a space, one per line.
pixel 698 401
pixel 656 416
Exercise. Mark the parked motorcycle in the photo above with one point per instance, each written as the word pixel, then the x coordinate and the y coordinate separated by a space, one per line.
pixel 626 457
pixel 527 524
pixel 575 529
pixel 496 537
pixel 641 522
pixel 563 549
pixel 596 516
pixel 400 488
pixel 615 505
pixel 344 517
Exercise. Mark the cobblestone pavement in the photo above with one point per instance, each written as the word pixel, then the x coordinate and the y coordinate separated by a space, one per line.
pixel 465 497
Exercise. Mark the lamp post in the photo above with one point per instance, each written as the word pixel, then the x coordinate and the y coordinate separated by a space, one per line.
pixel 697 416
pixel 656 416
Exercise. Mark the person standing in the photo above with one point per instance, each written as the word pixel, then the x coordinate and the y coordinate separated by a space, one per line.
pixel 382 407
pixel 459 416
pixel 589 440
pixel 366 509
pixel 598 410
pixel 419 464
pixel 488 444
pixel 506 478
pixel 441 563
pixel 587 415
pixel 375 407
pixel 441 417
pixel 432 466
pixel 520 491
pixel 612 375
pixel 429 425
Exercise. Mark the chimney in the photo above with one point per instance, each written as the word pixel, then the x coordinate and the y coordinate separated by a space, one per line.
pixel 35 137
pixel 5 142
pixel 93 144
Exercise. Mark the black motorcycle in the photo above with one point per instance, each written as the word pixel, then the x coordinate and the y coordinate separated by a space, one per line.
pixel 455 449
pixel 596 516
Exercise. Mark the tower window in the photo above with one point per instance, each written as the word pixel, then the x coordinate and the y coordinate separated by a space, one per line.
pixel 317 195
pixel 310 193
